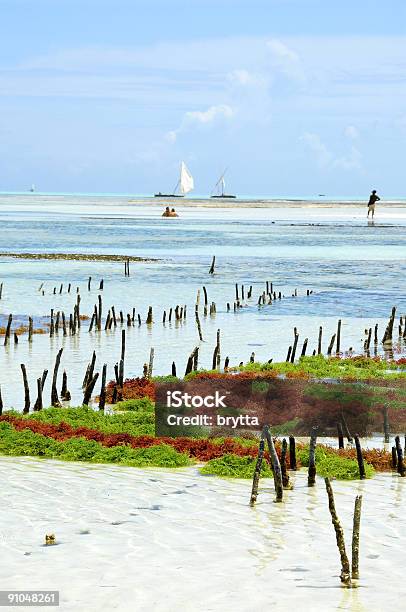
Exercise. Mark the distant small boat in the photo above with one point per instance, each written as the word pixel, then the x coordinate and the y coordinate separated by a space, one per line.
pixel 185 184
pixel 220 188
pixel 32 188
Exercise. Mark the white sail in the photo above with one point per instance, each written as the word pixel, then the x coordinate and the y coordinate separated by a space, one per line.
pixel 186 179
pixel 220 186
pixel 223 185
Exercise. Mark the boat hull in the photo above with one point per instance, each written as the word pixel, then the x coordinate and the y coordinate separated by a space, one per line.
pixel 167 195
pixel 224 197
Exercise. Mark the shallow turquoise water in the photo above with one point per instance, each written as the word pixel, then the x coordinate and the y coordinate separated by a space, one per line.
pixel 355 269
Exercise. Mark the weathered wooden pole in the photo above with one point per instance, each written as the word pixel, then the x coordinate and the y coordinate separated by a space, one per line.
pixel 89 283
pixel 1 402
pixel 257 472
pixel 360 458
pixel 355 538
pixel 151 362
pixel 149 320
pixel 292 453
pixel 387 337
pixel 285 475
pixel 304 347
pixel 399 452
pixel 205 301
pixel 330 346
pixel 211 271
pixel 276 466
pixel 65 395
pixel 311 476
pixel 8 329
pixel 319 340
pixel 386 424
pixel 338 337
pixel 54 391
pixel 102 399
pixel 113 312
pixel 394 458
pixel 27 401
pixel 30 329
pixel 89 389
pixel 296 340
pixel 173 369
pixel 345 576
pixel 99 313
pixel 340 435
pixel 38 403
pixel 199 328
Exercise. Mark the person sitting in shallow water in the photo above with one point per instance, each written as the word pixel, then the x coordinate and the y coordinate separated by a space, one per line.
pixel 167 212
pixel 173 213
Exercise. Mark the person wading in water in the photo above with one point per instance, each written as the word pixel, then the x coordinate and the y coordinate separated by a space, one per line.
pixel 373 198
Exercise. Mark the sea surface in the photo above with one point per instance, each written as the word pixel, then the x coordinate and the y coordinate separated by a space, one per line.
pixel 354 268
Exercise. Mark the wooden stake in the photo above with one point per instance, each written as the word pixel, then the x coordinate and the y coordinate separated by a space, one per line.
pixel 26 390
pixel 89 389
pixel 345 576
pixel 54 391
pixel 338 336
pixel 360 458
pixel 292 453
pixel 319 341
pixel 340 435
pixel 211 271
pixel 39 404
pixel 276 466
pixel 257 472
pixel 355 538
pixel 311 477
pixel 8 330
pixel 285 475
pixel 102 400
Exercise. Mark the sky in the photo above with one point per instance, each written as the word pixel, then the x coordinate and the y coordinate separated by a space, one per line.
pixel 293 97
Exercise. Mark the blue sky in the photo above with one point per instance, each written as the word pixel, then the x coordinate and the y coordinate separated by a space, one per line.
pixel 294 97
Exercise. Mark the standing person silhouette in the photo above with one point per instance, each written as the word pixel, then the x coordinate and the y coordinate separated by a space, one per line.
pixel 373 198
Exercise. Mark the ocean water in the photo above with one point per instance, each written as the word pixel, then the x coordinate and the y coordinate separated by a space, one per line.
pixel 355 269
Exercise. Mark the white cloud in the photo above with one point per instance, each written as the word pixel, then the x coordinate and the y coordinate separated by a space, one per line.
pixel 323 156
pixel 326 159
pixel 279 49
pixel 209 115
pixel 245 78
pixel 286 60
pixel 351 132
pixel 352 161
pixel 206 117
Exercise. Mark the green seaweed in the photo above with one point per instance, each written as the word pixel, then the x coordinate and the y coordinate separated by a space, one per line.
pixel 233 466
pixel 333 466
pixel 27 443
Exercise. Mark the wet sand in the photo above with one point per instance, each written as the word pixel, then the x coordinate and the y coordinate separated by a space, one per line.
pixel 131 539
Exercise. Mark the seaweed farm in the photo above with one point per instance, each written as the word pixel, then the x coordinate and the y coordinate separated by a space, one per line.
pixel 104 304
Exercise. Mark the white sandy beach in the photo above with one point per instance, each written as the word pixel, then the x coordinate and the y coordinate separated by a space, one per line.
pixel 131 539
